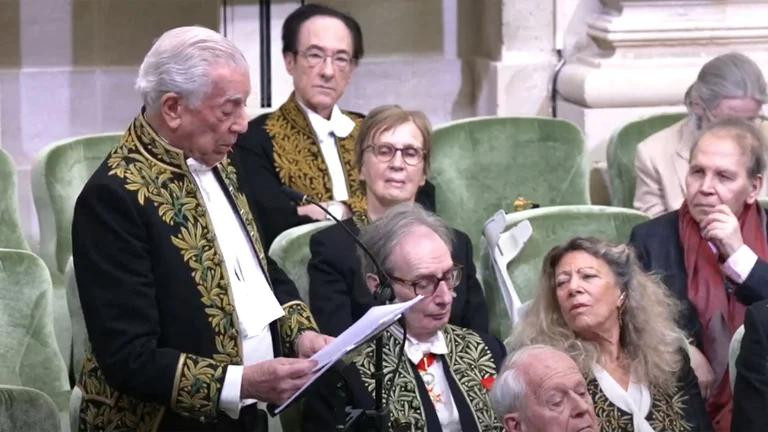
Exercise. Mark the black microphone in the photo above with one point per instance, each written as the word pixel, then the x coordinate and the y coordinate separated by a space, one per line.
pixel 384 293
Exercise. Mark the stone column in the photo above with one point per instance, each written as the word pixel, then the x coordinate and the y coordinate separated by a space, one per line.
pixel 517 57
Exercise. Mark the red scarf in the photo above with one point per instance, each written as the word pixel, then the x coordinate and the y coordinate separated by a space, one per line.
pixel 720 313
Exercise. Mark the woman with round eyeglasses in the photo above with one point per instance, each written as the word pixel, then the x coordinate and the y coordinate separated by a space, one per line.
pixel 392 156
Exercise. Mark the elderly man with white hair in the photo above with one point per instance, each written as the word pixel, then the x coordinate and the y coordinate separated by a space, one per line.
pixel 541 389
pixel 187 316
pixel 728 86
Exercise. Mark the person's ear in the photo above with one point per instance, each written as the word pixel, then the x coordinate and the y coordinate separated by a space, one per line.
pixel 170 108
pixel 512 422
pixel 755 186
pixel 289 59
pixel 372 281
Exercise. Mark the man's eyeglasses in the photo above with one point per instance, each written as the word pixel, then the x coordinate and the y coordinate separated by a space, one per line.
pixel 427 285
pixel 385 152
pixel 314 57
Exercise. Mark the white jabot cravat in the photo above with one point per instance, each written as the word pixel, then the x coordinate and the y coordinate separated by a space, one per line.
pixel 438 389
pixel 636 400
pixel 338 126
pixel 254 300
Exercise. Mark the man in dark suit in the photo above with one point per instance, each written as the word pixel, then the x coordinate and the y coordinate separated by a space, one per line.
pixel 750 394
pixel 711 253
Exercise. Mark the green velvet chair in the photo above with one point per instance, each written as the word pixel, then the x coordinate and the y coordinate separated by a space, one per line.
pixel 79 332
pixel 24 409
pixel 550 226
pixel 481 165
pixel 58 174
pixel 11 236
pixel 733 354
pixel 621 154
pixel 29 355
pixel 291 252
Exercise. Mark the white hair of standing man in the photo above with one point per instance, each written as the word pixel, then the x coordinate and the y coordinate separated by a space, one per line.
pixel 180 62
pixel 508 392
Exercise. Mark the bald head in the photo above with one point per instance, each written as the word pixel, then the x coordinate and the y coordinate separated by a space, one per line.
pixel 540 389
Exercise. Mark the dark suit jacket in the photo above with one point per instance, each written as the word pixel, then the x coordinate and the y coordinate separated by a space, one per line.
pixel 658 247
pixel 750 396
pixel 338 295
pixel 410 406
pixel 254 158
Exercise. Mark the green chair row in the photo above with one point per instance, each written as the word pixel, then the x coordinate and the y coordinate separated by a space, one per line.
pixel 29 355
pixel 58 174
pixel 11 236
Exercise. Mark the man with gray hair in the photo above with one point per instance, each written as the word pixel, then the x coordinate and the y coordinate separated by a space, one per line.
pixel 443 383
pixel 540 389
pixel 728 86
pixel 187 317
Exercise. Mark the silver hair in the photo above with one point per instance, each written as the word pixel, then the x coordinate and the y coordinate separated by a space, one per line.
pixel 731 75
pixel 509 389
pixel 384 235
pixel 180 62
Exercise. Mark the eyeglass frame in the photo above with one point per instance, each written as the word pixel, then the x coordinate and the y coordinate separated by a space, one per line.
pixel 312 50
pixel 456 269
pixel 422 153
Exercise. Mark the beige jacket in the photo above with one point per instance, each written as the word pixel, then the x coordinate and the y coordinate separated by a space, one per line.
pixel 661 163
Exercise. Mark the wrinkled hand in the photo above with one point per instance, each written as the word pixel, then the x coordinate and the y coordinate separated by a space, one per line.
pixel 275 380
pixel 703 371
pixel 721 227
pixel 311 342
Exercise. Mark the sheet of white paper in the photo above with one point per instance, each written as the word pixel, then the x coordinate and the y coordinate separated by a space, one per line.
pixel 374 321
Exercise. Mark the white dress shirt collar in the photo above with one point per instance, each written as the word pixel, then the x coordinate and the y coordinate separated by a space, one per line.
pixel 339 124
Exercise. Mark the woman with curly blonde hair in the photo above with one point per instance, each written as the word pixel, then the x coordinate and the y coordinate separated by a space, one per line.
pixel 618 323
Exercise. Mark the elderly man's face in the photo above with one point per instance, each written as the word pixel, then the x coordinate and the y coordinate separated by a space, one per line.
pixel 208 131
pixel 557 399
pixel 717 174
pixel 320 86
pixel 422 253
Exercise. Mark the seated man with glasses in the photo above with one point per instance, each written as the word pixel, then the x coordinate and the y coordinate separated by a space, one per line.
pixel 443 380
pixel 308 143
pixel 392 153
pixel 728 86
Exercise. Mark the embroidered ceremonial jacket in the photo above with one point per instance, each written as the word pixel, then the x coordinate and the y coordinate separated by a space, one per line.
pixel 155 292
pixel 678 410
pixel 281 149
pixel 470 367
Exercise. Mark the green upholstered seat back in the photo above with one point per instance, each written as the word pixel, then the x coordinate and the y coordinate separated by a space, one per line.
pixel 621 154
pixel 291 252
pixel 552 226
pixel 27 409
pixel 29 355
pixel 58 175
pixel 77 321
pixel 11 236
pixel 481 165
pixel 733 353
